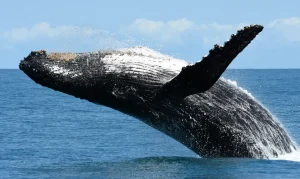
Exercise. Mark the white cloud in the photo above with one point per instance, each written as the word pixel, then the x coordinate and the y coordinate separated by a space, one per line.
pixel 215 26
pixel 285 29
pixel 64 37
pixel 165 31
pixel 147 26
pixel 180 25
pixel 214 33
pixel 145 31
pixel 174 30
pixel 288 28
pixel 292 21
pixel 44 30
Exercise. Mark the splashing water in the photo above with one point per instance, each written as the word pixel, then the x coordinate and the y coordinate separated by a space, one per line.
pixel 294 156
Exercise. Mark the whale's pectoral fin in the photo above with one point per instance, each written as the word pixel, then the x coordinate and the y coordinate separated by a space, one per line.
pixel 202 75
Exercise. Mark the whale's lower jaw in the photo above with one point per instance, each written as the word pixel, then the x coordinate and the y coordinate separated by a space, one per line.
pixel 187 102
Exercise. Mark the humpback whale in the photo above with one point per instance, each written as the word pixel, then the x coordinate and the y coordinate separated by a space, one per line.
pixel 191 103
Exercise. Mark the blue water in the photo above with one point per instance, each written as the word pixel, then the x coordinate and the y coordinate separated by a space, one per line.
pixel 47 134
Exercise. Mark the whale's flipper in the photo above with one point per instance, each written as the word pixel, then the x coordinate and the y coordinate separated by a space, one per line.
pixel 202 75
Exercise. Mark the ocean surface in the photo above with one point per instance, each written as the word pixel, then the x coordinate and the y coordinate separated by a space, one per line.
pixel 47 134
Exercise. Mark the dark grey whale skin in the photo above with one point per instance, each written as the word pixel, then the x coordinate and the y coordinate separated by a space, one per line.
pixel 196 107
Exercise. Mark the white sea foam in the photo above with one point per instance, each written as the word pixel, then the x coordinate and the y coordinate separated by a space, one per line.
pixel 294 156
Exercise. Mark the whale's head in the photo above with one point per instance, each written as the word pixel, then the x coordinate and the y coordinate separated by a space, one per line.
pixel 103 77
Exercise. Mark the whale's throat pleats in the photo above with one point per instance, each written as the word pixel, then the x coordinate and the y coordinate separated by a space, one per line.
pixel 202 75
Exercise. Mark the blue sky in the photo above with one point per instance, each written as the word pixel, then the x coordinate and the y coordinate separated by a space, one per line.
pixel 184 29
